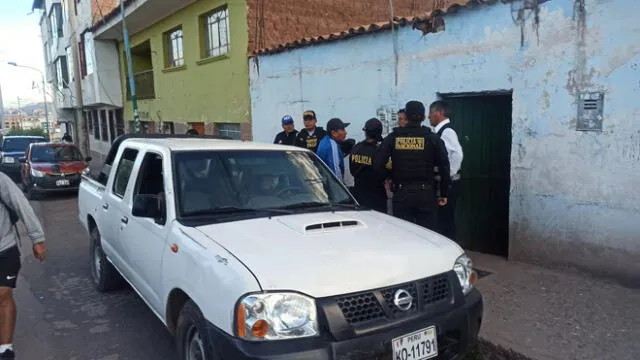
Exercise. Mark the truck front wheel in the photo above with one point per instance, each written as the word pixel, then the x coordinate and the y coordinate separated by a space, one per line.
pixel 192 336
pixel 105 276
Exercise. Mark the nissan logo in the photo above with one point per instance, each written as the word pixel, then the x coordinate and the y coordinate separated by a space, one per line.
pixel 403 300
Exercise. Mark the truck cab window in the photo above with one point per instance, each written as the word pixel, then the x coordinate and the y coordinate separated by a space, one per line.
pixel 151 179
pixel 123 172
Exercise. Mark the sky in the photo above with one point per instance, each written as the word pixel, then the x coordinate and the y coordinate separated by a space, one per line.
pixel 20 42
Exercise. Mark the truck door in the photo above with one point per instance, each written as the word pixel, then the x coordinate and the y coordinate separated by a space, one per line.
pixel 144 239
pixel 114 209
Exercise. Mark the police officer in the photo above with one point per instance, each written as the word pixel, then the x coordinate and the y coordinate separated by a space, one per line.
pixel 288 134
pixel 311 135
pixel 414 152
pixel 369 187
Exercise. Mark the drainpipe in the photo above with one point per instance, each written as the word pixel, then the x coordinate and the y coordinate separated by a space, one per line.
pixel 132 85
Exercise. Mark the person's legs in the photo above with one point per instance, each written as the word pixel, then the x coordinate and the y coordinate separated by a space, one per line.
pixel 9 268
pixel 425 209
pixel 402 208
pixel 446 214
pixel 7 315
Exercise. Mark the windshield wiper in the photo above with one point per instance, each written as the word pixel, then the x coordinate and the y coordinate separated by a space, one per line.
pixel 307 204
pixel 233 210
pixel 315 204
pixel 348 205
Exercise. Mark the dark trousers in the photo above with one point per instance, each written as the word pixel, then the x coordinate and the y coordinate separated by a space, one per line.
pixel 372 198
pixel 446 214
pixel 417 206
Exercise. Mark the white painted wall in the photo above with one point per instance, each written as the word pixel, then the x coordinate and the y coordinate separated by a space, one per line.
pixel 574 198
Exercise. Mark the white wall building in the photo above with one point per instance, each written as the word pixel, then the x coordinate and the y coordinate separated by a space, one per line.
pixel 83 73
pixel 544 97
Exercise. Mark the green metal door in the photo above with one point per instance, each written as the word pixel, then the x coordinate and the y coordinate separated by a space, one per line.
pixel 483 124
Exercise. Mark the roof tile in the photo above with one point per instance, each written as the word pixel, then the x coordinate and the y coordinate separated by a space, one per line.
pixel 428 20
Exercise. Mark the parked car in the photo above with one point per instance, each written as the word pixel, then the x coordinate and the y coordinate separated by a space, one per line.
pixel 52 167
pixel 11 149
pixel 257 251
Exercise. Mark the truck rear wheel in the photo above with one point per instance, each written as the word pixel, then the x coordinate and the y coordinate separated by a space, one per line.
pixel 105 276
pixel 192 336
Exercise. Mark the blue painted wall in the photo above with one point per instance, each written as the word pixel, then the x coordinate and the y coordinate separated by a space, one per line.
pixel 575 197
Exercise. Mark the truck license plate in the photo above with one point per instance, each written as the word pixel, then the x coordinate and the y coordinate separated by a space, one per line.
pixel 419 345
pixel 62 183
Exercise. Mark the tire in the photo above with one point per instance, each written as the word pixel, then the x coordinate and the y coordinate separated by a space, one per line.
pixel 105 276
pixel 193 340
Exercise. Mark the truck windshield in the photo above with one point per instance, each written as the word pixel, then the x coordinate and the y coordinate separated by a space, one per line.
pixel 18 144
pixel 224 182
pixel 55 153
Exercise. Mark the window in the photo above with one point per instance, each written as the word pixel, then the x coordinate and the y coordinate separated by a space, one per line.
pixel 208 183
pixel 104 126
pixel 151 180
pixel 112 125
pixel 119 122
pixel 69 63
pixel 55 153
pixel 216 32
pixel 173 43
pixel 123 172
pixel 88 52
pixel 62 74
pixel 96 125
pixel 65 8
pixel 81 57
pixel 230 130
pixel 89 119
pixel 56 21
pixel 168 127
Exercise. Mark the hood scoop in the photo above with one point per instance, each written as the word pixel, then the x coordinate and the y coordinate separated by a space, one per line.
pixel 332 225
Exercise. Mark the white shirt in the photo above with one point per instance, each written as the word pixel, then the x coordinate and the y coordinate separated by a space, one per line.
pixel 450 139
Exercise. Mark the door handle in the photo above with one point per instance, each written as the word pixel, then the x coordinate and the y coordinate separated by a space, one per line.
pixel 125 220
pixel 105 206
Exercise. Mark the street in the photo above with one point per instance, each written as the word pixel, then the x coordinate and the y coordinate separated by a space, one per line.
pixel 61 316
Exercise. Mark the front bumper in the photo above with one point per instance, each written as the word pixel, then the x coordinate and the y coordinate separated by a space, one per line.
pixel 50 183
pixel 457 331
pixel 11 169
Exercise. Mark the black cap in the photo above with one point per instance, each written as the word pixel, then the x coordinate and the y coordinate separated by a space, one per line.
pixel 309 114
pixel 414 109
pixel 336 124
pixel 372 124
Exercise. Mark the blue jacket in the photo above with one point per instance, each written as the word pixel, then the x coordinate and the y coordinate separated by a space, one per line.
pixel 330 153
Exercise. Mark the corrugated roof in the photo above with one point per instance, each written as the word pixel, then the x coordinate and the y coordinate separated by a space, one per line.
pixel 427 22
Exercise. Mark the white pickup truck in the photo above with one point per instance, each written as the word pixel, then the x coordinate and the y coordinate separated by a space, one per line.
pixel 255 251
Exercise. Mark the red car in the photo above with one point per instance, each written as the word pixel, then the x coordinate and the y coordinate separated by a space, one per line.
pixel 52 167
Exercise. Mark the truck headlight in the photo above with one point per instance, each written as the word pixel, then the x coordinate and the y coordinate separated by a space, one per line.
pixel 276 316
pixel 467 276
pixel 36 173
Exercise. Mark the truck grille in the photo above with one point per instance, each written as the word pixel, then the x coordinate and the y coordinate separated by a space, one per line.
pixel 379 304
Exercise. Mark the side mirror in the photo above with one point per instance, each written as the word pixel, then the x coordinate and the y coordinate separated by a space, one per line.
pixel 88 159
pixel 22 159
pixel 145 206
pixel 148 206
